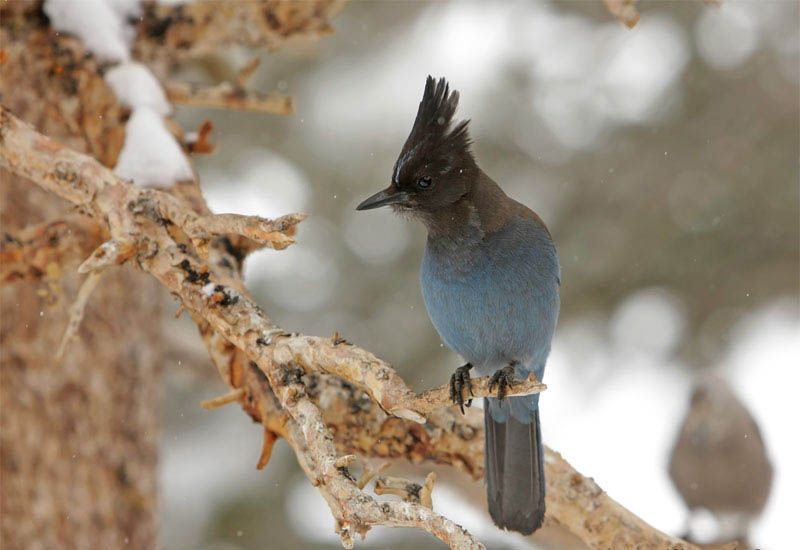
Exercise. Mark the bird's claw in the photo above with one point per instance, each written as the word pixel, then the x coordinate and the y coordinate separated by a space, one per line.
pixel 458 381
pixel 503 379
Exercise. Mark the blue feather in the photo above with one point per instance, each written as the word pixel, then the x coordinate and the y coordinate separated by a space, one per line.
pixel 494 299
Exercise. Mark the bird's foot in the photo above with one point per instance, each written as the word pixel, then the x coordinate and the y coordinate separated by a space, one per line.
pixel 458 381
pixel 503 379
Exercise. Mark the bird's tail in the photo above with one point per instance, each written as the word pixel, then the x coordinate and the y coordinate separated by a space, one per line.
pixel 514 469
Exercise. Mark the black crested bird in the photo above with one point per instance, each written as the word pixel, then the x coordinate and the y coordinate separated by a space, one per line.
pixel 490 280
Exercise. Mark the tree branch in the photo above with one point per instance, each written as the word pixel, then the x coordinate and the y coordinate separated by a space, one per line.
pixel 77 310
pixel 228 96
pixel 318 393
pixel 167 34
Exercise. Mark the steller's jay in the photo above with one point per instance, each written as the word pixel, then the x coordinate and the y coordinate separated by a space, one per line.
pixel 490 280
pixel 719 460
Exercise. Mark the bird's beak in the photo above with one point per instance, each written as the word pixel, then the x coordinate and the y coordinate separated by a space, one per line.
pixel 390 195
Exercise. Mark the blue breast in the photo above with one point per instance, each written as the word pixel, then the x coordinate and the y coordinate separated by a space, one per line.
pixel 494 298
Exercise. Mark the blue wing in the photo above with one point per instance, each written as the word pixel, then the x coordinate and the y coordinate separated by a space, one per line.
pixel 497 301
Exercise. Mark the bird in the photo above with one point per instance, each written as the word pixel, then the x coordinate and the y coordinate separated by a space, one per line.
pixel 719 461
pixel 490 280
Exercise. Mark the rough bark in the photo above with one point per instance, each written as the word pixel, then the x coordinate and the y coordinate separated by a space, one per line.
pixel 78 437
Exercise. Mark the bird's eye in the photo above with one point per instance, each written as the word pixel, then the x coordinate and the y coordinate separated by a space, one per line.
pixel 424 182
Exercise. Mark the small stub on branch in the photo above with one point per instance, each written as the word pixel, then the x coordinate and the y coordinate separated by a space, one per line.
pixel 408 414
pixel 370 473
pixel 246 72
pixel 233 396
pixel 110 253
pixel 407 490
pixel 426 494
pixel 270 438
pixel 345 461
pixel 77 310
pixel 199 142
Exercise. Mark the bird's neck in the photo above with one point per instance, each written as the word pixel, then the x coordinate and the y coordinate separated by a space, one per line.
pixel 484 209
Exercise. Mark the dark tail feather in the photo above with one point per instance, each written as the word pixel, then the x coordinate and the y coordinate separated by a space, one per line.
pixel 515 473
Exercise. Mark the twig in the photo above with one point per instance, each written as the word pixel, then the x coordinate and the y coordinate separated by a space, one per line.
pixel 179 311
pixel 231 397
pixel 246 73
pixel 270 438
pixel 228 96
pixel 199 142
pixel 169 33
pixel 201 229
pixel 276 234
pixel 369 474
pixel 77 310
pixel 110 253
pixel 426 494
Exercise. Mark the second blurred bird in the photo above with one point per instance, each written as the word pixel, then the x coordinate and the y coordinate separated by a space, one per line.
pixel 719 462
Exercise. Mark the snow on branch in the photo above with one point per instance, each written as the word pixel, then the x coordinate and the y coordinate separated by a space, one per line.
pixel 330 400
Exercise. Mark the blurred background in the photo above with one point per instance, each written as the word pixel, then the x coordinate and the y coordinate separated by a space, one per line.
pixel 664 160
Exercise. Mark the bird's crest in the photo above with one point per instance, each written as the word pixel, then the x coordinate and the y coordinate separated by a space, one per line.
pixel 433 136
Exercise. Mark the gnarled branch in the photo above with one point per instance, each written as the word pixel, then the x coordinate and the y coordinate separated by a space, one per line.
pixel 228 96
pixel 176 33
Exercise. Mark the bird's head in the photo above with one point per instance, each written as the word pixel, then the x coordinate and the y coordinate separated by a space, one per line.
pixel 436 167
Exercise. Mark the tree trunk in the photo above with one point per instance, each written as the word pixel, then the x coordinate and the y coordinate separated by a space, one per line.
pixel 79 437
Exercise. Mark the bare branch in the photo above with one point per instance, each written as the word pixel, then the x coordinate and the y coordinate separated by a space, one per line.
pixel 276 234
pixel 77 309
pixel 228 96
pixel 231 397
pixel 167 34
